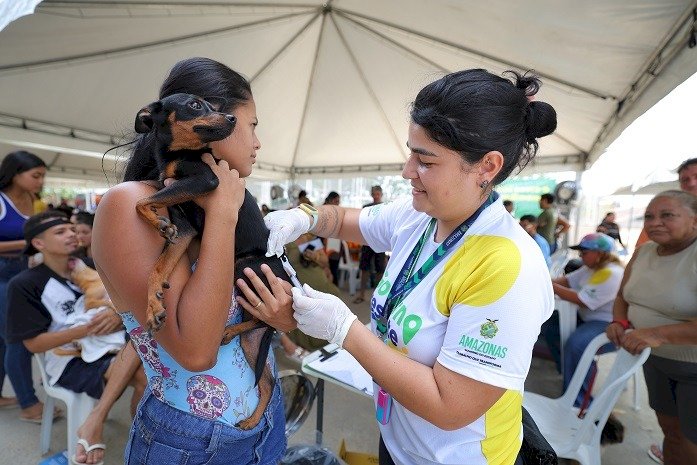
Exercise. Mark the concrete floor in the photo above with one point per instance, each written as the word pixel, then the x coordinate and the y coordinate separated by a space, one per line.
pixel 346 416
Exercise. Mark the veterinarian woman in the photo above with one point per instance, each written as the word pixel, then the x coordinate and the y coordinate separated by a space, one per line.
pixel 197 390
pixel 463 297
pixel 21 178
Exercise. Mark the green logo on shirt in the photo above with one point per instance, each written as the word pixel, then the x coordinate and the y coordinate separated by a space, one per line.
pixel 489 329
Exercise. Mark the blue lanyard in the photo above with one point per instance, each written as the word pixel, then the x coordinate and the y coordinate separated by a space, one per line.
pixel 407 279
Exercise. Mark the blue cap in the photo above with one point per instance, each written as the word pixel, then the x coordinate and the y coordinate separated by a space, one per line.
pixel 596 241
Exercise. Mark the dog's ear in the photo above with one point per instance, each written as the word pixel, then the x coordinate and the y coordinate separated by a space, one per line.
pixel 144 118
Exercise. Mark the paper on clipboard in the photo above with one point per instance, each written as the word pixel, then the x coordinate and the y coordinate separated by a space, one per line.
pixel 344 368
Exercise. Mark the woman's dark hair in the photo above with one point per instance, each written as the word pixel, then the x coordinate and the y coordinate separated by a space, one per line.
pixel 84 218
pixel 204 77
pixel 331 196
pixel 15 163
pixel 474 112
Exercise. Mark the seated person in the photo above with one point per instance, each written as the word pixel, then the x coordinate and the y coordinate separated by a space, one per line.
pixel 529 224
pixel 310 266
pixel 593 287
pixel 83 228
pixel 41 301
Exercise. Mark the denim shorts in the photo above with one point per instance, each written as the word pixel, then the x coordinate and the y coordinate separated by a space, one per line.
pixel 162 434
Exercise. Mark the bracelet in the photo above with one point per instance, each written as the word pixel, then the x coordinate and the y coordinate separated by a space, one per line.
pixel 311 212
pixel 626 324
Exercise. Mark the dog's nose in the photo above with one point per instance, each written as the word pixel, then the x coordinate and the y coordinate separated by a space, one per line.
pixel 231 118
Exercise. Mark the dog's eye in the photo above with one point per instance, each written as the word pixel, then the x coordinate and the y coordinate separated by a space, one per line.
pixel 196 105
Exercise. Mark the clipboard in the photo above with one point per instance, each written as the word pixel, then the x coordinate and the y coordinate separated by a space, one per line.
pixel 338 366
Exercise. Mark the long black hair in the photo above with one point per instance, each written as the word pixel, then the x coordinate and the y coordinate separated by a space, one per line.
pixel 474 112
pixel 15 163
pixel 204 77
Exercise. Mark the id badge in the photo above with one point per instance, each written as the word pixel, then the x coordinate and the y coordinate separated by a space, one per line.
pixel 384 407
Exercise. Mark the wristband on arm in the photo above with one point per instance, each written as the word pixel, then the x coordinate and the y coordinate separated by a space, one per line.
pixel 311 212
pixel 626 324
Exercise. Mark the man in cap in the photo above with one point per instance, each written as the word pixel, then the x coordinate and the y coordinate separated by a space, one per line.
pixel 41 301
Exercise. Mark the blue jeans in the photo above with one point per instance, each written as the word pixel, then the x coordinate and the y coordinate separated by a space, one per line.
pixel 162 434
pixel 573 349
pixel 15 359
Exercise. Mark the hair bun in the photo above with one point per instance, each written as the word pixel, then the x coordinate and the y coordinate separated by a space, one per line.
pixel 540 120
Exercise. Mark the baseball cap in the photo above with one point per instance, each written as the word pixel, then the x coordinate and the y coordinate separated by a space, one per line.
pixel 38 224
pixel 595 241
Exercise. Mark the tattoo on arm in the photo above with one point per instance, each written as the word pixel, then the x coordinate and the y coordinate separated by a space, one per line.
pixel 328 223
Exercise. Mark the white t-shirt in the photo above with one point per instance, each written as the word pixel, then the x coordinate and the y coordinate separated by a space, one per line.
pixel 597 290
pixel 478 313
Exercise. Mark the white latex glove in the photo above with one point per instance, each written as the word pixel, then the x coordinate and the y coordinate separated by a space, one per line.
pixel 322 315
pixel 285 226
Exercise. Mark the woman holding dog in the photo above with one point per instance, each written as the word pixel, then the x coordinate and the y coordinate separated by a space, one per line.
pixel 658 297
pixel 462 300
pixel 21 178
pixel 198 391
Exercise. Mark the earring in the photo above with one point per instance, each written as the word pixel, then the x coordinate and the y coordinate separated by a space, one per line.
pixel 484 184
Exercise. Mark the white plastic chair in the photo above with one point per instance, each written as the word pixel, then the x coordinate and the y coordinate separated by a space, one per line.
pixel 349 270
pixel 579 438
pixel 559 259
pixel 78 406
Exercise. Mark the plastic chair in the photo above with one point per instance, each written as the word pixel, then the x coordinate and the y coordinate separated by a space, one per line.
pixel 579 438
pixel 78 406
pixel 348 269
pixel 559 259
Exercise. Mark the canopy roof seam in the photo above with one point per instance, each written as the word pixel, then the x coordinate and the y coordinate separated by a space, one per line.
pixel 197 4
pixel 394 42
pixel 104 54
pixel 283 48
pixel 368 87
pixel 313 73
pixel 481 54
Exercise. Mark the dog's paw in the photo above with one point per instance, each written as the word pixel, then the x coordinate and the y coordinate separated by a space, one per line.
pixel 228 336
pixel 249 423
pixel 155 315
pixel 167 229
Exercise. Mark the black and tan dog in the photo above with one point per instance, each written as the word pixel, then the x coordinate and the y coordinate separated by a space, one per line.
pixel 183 125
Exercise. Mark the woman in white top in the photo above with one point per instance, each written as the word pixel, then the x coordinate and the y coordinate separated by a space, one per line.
pixel 658 297
pixel 462 300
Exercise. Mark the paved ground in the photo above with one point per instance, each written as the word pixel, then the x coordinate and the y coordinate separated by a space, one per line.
pixel 347 415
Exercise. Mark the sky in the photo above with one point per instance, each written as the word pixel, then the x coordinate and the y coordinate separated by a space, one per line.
pixel 652 146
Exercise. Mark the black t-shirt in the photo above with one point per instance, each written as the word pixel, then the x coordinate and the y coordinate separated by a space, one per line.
pixel 39 300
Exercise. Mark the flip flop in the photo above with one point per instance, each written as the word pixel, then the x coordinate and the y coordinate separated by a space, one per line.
pixel 655 453
pixel 88 448
pixel 8 403
pixel 57 414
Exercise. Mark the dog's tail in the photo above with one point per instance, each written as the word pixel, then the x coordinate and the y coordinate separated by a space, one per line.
pixel 263 354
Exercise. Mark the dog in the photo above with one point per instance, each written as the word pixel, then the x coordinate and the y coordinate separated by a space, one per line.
pixel 183 125
pixel 95 295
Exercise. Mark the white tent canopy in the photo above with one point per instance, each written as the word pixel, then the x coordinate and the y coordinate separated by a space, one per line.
pixel 333 81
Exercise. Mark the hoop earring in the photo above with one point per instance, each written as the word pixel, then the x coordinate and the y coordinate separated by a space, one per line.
pixel 484 184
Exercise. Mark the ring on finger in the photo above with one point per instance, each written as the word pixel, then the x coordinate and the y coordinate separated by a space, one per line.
pixel 259 304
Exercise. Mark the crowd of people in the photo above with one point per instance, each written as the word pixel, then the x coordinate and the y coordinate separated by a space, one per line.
pixel 461 271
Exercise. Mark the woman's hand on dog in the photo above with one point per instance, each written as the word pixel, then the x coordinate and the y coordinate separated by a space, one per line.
pixel 228 196
pixel 276 303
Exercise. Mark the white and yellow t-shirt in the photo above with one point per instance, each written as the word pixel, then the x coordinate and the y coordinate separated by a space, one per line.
pixel 478 313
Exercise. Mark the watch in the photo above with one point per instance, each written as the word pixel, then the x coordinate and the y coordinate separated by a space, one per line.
pixel 312 212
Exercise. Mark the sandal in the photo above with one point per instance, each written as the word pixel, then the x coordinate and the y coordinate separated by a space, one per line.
pixel 656 453
pixel 57 414
pixel 88 448
pixel 8 402
pixel 358 300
